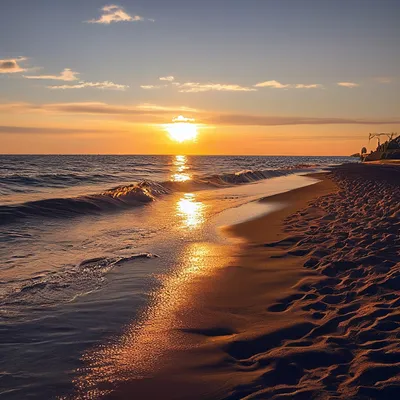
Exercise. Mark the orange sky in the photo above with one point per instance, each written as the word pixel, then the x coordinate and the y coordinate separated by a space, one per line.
pixel 59 134
pixel 264 77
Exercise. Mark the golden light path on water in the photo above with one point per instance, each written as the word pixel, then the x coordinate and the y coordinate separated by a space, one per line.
pixel 188 208
pixel 146 343
pixel 191 210
pixel 179 174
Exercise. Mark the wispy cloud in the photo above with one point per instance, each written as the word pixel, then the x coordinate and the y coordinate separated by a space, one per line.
pixel 272 84
pixel 89 108
pixel 198 87
pixel 159 114
pixel 310 86
pixel 167 78
pixel 195 87
pixel 257 120
pixel 114 13
pixel 22 130
pixel 93 108
pixel 66 75
pixel 97 85
pixel 181 118
pixel 156 107
pixel 11 66
pixel 349 85
pixel 278 85
pixel 150 87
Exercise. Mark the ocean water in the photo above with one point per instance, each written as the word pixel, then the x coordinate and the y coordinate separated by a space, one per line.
pixel 87 244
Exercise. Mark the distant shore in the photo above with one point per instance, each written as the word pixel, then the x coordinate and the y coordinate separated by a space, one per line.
pixel 307 308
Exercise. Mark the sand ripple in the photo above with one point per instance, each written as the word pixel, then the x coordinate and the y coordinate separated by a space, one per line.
pixel 349 345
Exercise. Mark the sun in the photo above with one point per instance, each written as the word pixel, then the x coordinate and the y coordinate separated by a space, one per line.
pixel 182 129
pixel 182 132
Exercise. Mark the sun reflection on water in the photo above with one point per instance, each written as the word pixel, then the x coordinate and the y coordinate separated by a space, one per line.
pixel 140 349
pixel 190 210
pixel 180 166
pixel 148 343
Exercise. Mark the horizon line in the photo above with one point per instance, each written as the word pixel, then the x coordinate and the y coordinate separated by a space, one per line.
pixel 171 155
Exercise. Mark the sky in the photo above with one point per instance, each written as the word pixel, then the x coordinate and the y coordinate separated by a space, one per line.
pixel 273 77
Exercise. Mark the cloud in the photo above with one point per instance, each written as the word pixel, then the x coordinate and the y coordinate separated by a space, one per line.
pixel 273 84
pixel 155 107
pixel 66 75
pixel 150 113
pixel 89 108
pixel 114 13
pixel 14 106
pixel 181 118
pixel 194 87
pixel 93 108
pixel 150 87
pixel 255 120
pixel 97 85
pixel 167 78
pixel 311 86
pixel 11 66
pixel 278 85
pixel 22 130
pixel 349 85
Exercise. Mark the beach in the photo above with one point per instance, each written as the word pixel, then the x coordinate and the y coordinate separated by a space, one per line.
pixel 103 257
pixel 272 287
pixel 200 200
pixel 307 306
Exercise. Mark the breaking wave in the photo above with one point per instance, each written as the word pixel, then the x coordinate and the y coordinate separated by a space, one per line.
pixel 138 194
pixel 116 198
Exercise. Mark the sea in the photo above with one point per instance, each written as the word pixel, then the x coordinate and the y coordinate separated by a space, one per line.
pixel 89 244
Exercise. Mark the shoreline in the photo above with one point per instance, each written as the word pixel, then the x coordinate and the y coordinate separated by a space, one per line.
pixel 298 312
pixel 230 305
pixel 254 231
pixel 126 288
pixel 212 290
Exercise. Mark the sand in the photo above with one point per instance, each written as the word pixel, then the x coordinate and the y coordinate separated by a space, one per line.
pixel 348 344
pixel 307 308
pixel 395 162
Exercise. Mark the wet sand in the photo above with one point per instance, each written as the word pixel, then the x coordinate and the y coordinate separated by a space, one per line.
pixel 306 307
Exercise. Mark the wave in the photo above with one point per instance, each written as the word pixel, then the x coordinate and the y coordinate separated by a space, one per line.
pixel 122 197
pixel 52 180
pixel 245 176
pixel 112 199
pixel 61 286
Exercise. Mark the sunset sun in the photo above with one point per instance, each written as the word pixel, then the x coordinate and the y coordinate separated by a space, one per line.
pixel 182 129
